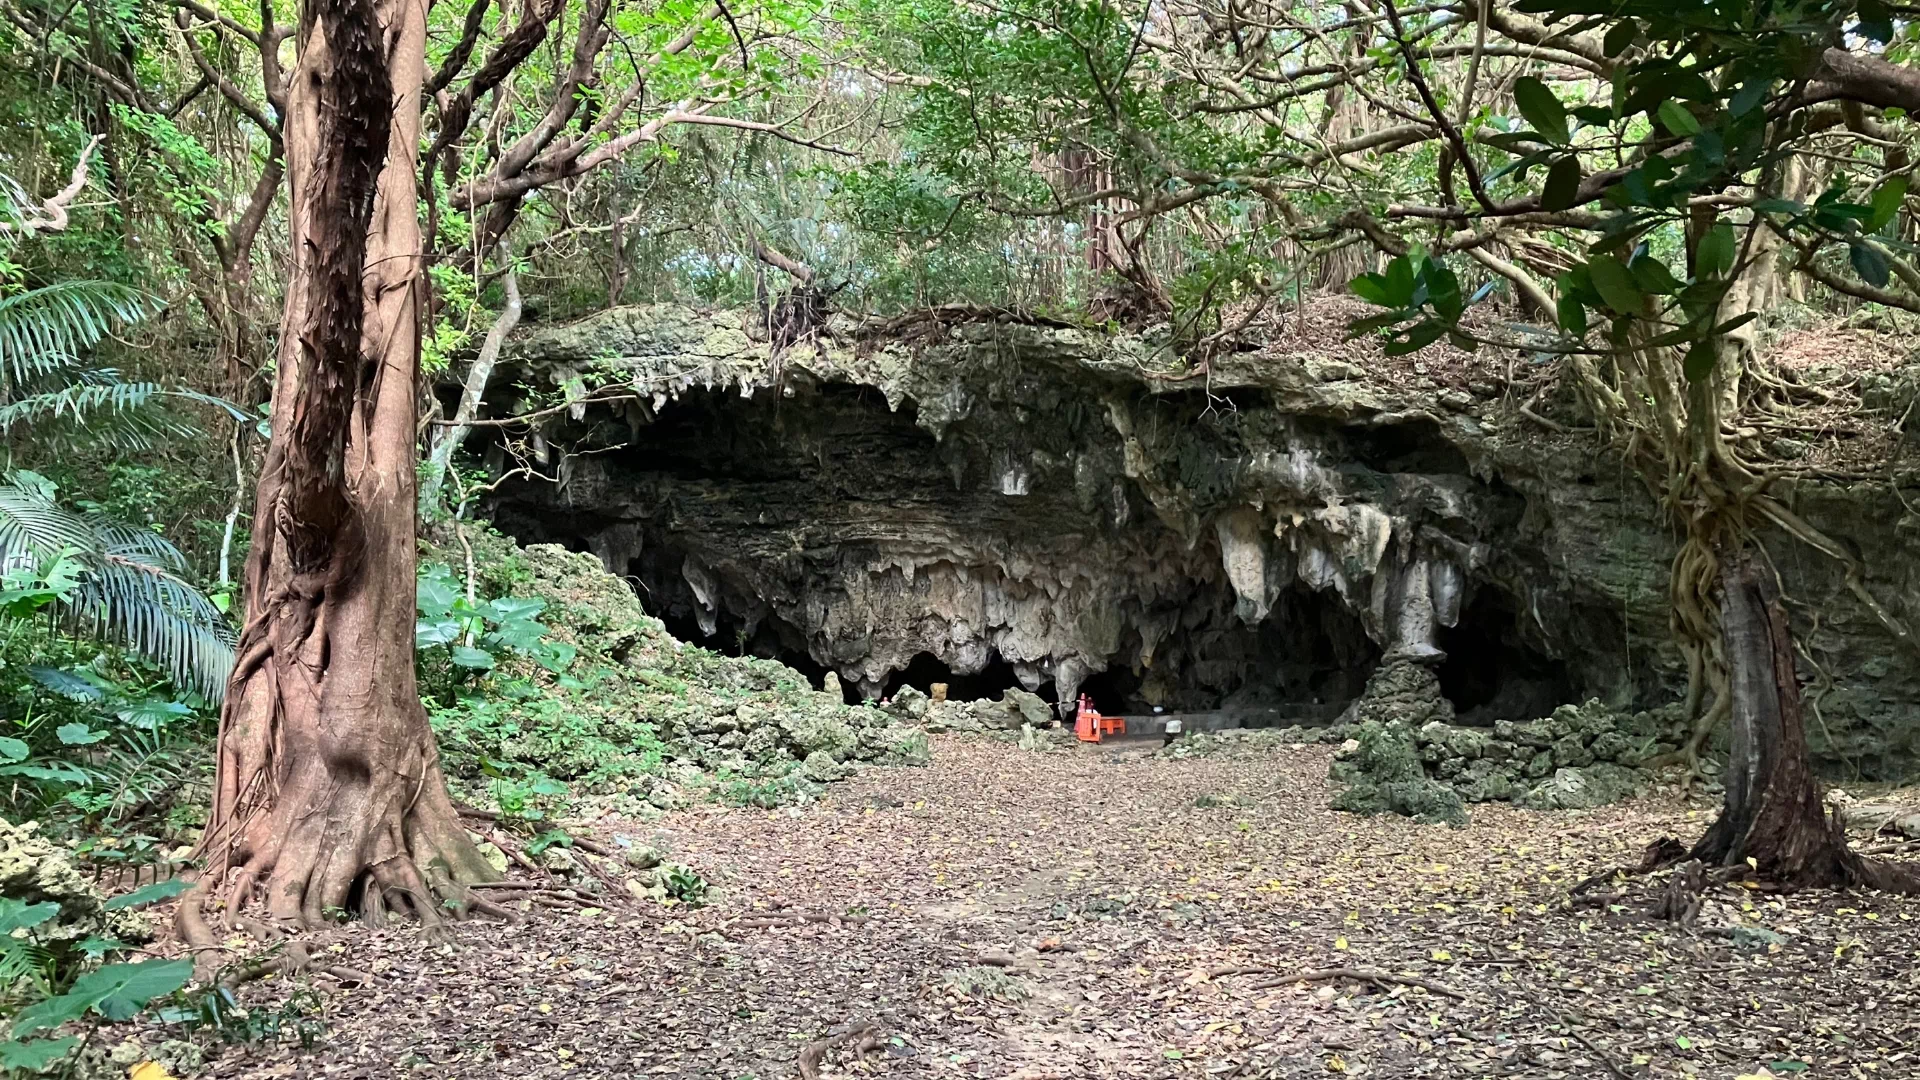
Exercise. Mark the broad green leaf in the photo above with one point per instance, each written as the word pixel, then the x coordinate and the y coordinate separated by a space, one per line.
pixel 152 714
pixel 1714 257
pixel 95 946
pixel 1614 282
pixel 1573 316
pixel 1541 108
pixel 1677 119
pixel 13 749
pixel 35 1055
pixel 147 894
pixel 434 597
pixel 1886 202
pixel 78 734
pixel 48 1013
pixel 1417 337
pixel 20 915
pixel 1399 282
pixel 555 656
pixel 510 608
pixel 466 657
pixel 1653 276
pixel 117 991
pixel 1869 264
pixel 1443 291
pixel 1750 95
pixel 66 683
pixel 1620 37
pixel 1563 184
pixel 1372 288
pixel 428 633
pixel 1701 359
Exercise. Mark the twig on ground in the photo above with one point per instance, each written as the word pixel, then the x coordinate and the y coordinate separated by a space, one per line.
pixel 513 851
pixel 793 920
pixel 1379 978
pixel 811 1054
pixel 1605 1058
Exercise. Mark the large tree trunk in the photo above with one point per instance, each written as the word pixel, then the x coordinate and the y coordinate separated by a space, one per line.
pixel 328 793
pixel 1774 817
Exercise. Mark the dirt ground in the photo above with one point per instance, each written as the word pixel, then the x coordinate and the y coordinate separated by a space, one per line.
pixel 1012 914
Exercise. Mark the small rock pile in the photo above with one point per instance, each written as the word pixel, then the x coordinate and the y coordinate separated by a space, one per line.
pixel 1014 709
pixel 1580 757
pixel 1382 769
pixel 34 870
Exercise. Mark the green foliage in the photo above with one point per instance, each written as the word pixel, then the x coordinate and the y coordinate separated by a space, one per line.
pixel 48 981
pixel 106 579
pixel 684 884
pixel 457 639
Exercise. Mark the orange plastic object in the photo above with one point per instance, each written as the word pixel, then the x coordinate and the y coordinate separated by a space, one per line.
pixel 1090 726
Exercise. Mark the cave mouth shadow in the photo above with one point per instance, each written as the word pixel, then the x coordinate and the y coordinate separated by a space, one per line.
pixel 1491 673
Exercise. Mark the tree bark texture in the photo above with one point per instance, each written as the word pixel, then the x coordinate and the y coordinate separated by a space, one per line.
pixel 1774 815
pixel 328 793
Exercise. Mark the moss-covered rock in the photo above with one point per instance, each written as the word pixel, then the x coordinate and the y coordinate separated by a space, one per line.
pixel 1400 691
pixel 34 870
pixel 634 699
pixel 1579 757
pixel 1384 775
pixel 1584 788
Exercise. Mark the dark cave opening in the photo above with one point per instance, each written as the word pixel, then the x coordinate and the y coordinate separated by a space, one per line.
pixel 987 684
pixel 1115 691
pixel 1490 673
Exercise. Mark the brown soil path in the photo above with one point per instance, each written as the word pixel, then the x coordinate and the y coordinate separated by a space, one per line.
pixel 1040 915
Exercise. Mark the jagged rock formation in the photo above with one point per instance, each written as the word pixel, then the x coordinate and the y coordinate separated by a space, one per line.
pixel 1068 509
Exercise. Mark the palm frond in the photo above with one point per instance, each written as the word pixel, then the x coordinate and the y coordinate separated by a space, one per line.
pixel 45 328
pixel 121 416
pixel 132 592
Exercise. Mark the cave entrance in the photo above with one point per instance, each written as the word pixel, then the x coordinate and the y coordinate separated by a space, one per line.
pixel 1115 691
pixel 990 683
pixel 1491 673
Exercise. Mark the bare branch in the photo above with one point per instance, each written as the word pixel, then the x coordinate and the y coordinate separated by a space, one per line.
pixel 51 215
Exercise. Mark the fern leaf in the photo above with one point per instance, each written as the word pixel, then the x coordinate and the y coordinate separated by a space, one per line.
pixel 45 328
pixel 131 593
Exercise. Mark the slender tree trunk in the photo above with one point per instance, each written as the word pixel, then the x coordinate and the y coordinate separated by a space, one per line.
pixel 328 793
pixel 1774 817
pixel 447 439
